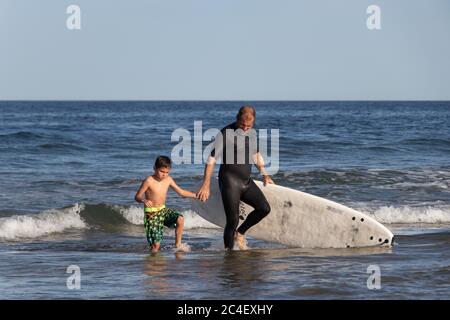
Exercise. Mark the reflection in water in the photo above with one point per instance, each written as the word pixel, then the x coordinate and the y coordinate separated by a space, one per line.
pixel 246 269
pixel 241 268
pixel 249 270
pixel 160 269
pixel 251 274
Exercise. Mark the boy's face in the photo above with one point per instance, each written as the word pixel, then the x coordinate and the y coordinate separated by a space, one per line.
pixel 162 173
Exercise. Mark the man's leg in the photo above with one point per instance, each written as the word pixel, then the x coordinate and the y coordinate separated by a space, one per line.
pixel 254 197
pixel 231 196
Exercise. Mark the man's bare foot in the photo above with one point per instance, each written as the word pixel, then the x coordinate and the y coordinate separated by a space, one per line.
pixel 184 247
pixel 240 240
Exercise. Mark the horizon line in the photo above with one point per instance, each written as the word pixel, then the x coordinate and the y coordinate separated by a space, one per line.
pixel 219 100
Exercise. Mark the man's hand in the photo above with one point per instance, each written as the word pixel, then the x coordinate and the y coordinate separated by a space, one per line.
pixel 203 193
pixel 267 179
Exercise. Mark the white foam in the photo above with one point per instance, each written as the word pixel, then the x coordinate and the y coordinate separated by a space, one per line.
pixel 412 215
pixel 192 220
pixel 184 247
pixel 411 231
pixel 437 184
pixel 46 222
pixel 133 214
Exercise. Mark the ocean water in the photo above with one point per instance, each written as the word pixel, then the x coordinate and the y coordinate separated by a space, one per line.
pixel 69 172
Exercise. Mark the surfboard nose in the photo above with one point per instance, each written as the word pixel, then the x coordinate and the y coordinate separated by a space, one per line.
pixel 389 241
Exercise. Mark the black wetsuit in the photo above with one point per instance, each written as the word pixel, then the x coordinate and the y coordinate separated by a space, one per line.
pixel 236 185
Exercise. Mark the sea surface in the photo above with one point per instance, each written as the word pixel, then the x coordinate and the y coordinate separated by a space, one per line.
pixel 69 172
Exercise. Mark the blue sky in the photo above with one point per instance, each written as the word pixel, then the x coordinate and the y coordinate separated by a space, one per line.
pixel 225 50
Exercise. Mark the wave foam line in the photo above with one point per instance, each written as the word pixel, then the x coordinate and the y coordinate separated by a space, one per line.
pixel 412 215
pixel 192 220
pixel 46 222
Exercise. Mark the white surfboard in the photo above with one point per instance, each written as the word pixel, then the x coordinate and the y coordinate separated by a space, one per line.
pixel 300 219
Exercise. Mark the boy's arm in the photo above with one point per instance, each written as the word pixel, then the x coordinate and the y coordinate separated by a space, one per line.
pixel 139 197
pixel 180 191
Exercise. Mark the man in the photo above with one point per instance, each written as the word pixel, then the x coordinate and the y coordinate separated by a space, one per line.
pixel 234 177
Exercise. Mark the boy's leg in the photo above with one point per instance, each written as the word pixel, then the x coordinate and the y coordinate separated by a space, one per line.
pixel 154 232
pixel 155 247
pixel 173 219
pixel 179 231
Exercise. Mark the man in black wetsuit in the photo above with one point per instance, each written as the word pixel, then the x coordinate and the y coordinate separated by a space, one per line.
pixel 234 176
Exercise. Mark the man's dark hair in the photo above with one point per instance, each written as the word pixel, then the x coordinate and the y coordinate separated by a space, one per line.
pixel 163 162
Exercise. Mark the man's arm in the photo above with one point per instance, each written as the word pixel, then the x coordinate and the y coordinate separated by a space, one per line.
pixel 216 153
pixel 180 191
pixel 203 193
pixel 259 162
pixel 139 197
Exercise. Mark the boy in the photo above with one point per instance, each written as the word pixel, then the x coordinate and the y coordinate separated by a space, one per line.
pixel 157 216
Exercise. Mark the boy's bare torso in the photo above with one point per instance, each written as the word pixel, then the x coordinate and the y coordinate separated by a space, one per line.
pixel 157 190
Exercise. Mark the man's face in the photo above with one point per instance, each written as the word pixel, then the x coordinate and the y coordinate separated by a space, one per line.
pixel 246 123
pixel 162 173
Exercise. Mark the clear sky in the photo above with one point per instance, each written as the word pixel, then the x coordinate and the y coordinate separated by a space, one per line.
pixel 225 50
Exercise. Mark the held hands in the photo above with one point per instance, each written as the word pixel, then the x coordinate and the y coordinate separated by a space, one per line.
pixel 203 193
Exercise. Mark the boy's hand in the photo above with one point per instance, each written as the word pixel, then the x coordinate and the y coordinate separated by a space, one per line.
pixel 150 215
pixel 148 203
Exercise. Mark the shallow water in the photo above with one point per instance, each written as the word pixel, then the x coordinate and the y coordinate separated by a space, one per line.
pixel 70 170
pixel 118 266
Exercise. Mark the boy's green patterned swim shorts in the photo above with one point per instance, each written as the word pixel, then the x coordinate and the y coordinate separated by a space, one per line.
pixel 154 225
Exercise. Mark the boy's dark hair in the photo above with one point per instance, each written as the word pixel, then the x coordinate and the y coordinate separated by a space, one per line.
pixel 163 162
